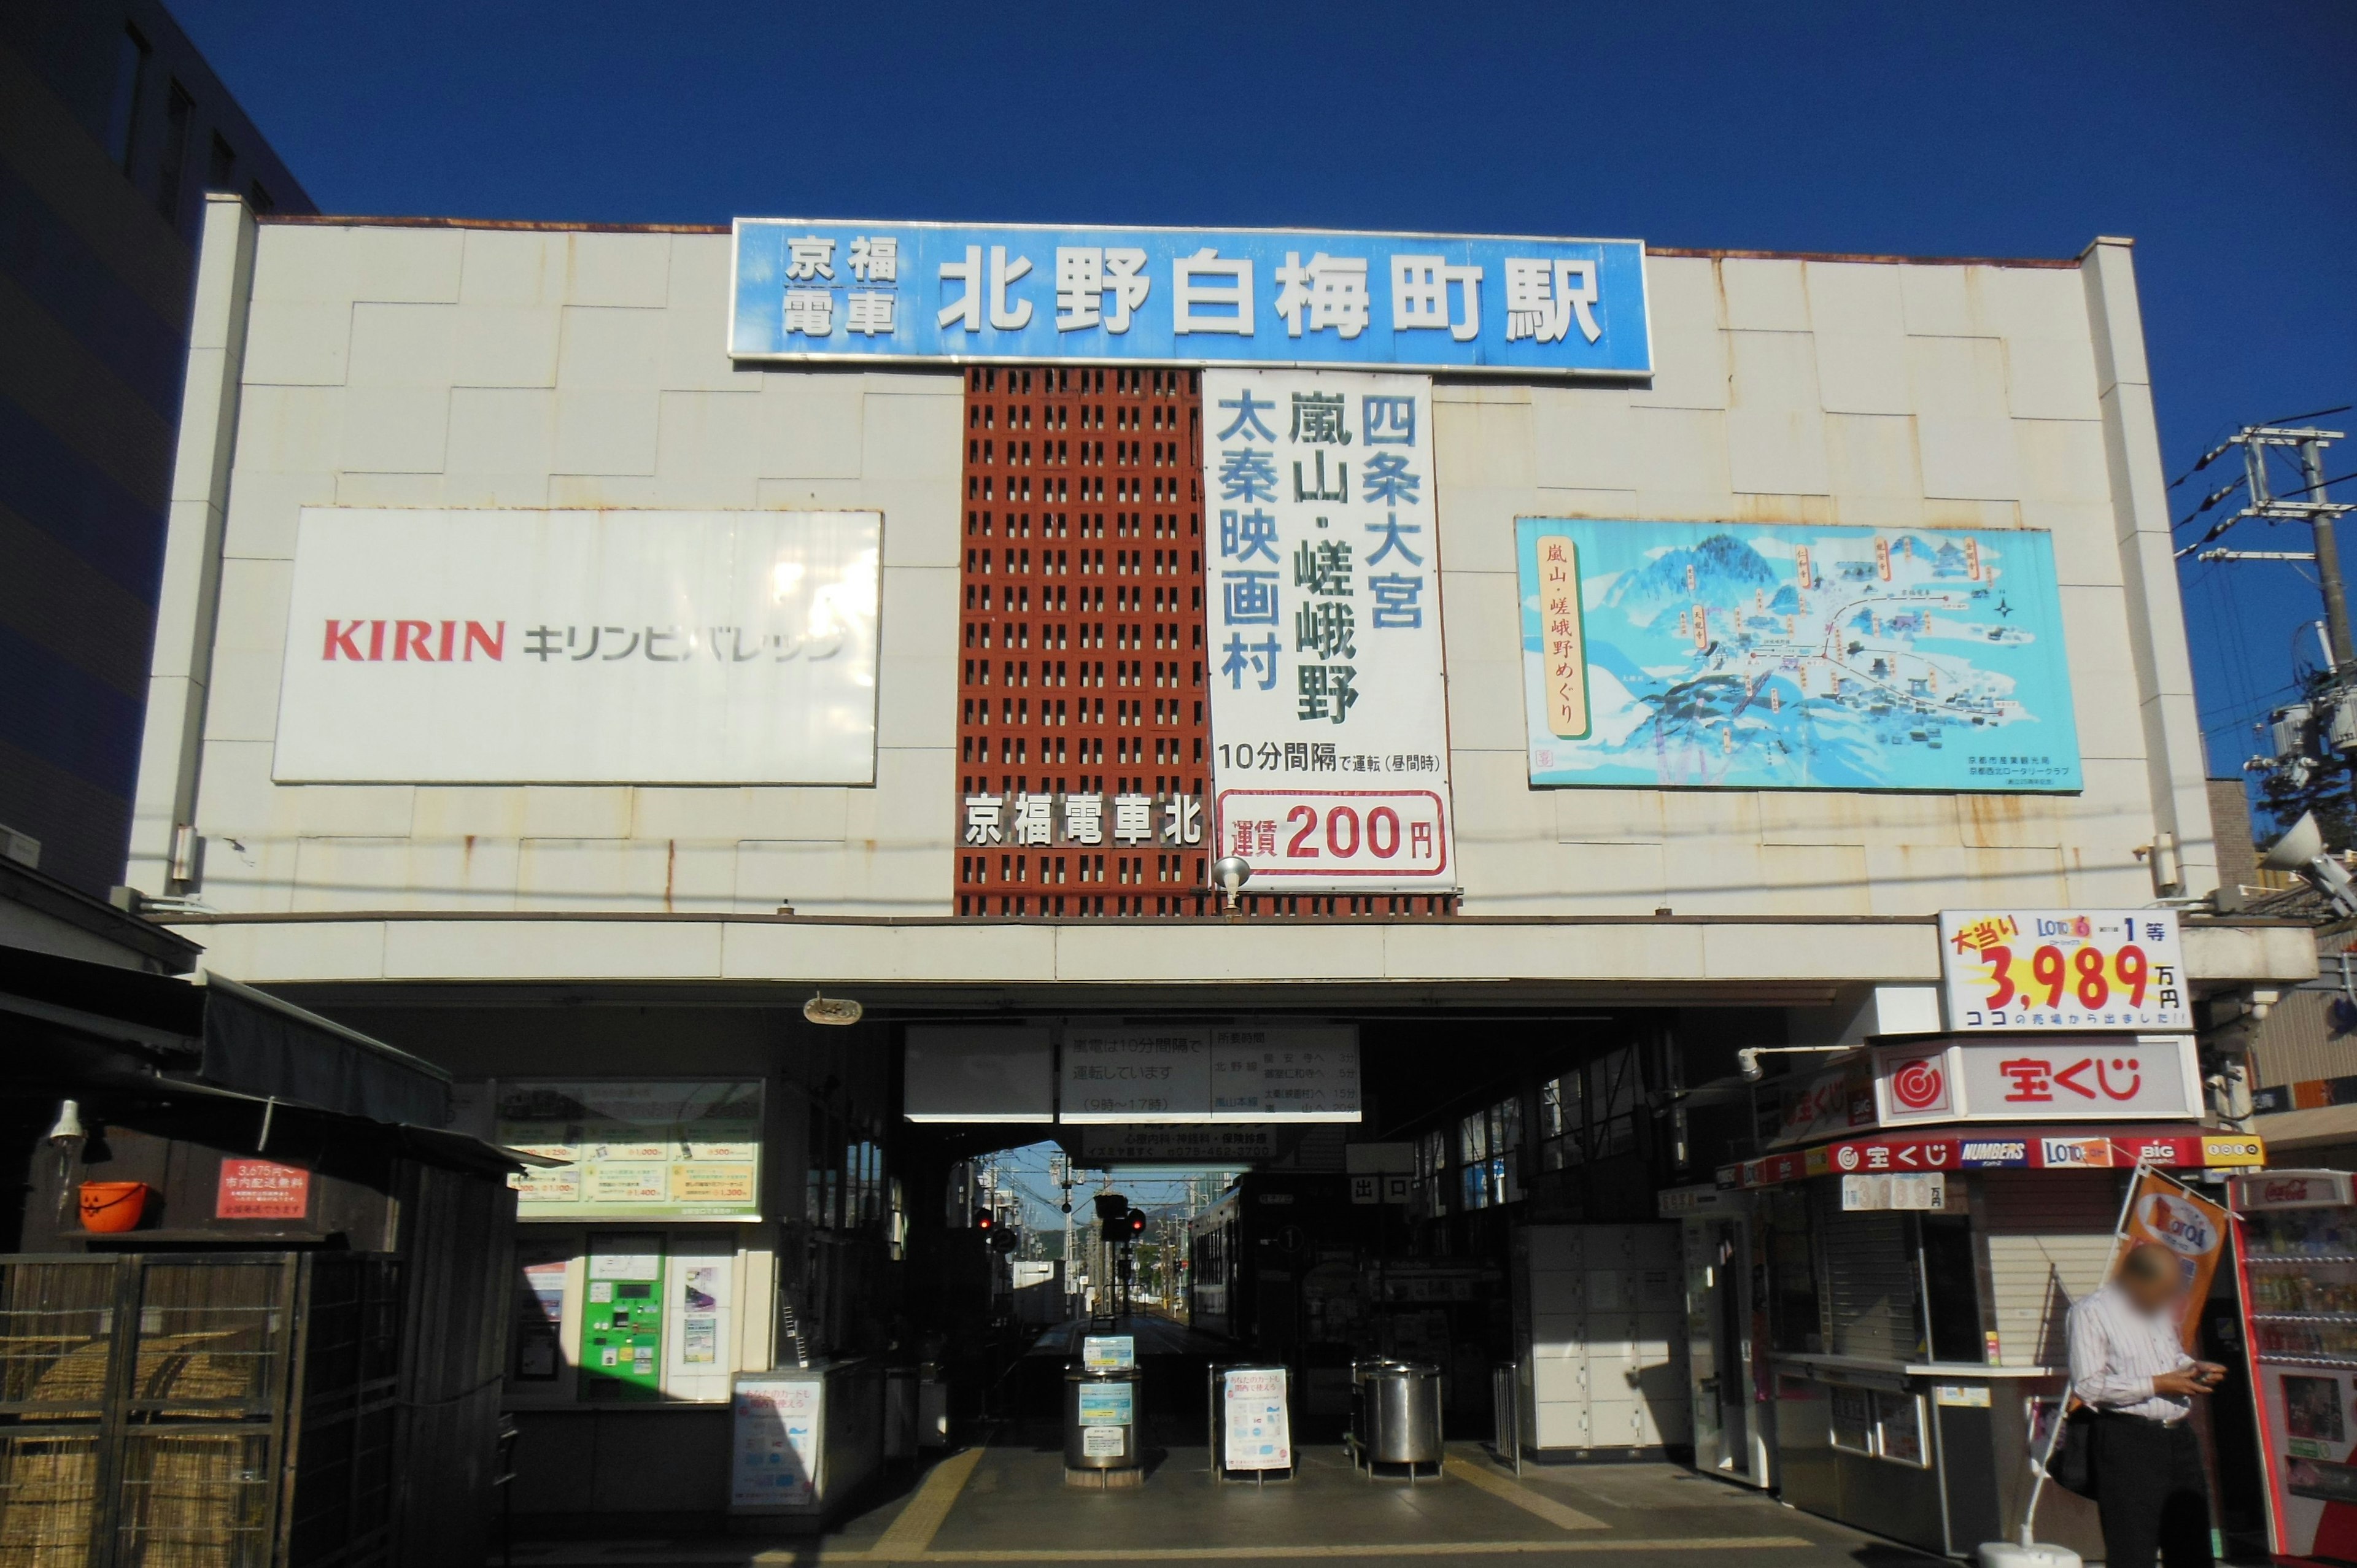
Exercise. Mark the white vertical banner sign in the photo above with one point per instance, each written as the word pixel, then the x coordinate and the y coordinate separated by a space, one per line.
pixel 1330 718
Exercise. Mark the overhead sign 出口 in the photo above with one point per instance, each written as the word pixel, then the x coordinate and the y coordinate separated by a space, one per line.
pixel 804 289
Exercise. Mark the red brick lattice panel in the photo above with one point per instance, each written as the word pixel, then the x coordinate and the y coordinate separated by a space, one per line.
pixel 1081 664
pixel 1081 656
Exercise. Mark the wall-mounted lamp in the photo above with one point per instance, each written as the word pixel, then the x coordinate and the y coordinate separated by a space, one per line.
pixel 835 1011
pixel 1229 874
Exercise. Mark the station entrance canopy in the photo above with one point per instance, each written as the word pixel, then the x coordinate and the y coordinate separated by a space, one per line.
pixel 806 290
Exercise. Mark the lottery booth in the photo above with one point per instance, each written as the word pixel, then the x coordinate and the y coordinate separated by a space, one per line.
pixel 1930 1205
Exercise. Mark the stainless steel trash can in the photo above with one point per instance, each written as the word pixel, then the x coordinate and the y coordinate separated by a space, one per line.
pixel 1395 1413
pixel 1102 1412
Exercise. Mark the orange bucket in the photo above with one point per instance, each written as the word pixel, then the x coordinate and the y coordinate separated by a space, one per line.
pixel 113 1205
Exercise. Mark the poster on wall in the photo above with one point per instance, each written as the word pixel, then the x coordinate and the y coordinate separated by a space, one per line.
pixel 1330 718
pixel 635 1148
pixel 580 648
pixel 1754 656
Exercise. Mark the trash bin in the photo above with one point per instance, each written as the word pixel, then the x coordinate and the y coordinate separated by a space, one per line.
pixel 1100 1419
pixel 1395 1415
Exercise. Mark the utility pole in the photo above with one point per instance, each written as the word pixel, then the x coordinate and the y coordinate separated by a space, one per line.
pixel 2328 559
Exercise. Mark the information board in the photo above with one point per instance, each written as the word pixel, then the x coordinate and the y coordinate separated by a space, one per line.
pixel 636 1148
pixel 2065 969
pixel 1330 718
pixel 774 1440
pixel 1142 1074
pixel 1258 1432
pixel 1108 1352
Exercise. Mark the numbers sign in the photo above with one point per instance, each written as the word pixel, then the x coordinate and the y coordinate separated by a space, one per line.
pixel 2063 969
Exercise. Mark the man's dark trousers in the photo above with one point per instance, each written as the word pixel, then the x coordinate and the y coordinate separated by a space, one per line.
pixel 2151 1492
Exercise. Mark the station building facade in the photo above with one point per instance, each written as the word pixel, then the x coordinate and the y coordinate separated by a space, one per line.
pixel 1012 805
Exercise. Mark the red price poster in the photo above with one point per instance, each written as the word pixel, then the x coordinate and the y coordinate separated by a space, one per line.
pixel 2065 969
pixel 261 1189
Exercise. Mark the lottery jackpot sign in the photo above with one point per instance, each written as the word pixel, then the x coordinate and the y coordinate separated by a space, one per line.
pixel 2068 969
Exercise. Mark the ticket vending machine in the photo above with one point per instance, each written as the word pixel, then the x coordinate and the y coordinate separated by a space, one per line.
pixel 622 1318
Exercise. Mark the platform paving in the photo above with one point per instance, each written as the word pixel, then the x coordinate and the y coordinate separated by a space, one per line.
pixel 1005 1503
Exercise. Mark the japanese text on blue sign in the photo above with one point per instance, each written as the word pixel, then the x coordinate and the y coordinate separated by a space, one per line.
pixel 805 290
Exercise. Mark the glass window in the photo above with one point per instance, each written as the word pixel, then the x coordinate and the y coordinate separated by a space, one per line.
pixel 1612 1104
pixel 1899 1420
pixel 1852 1416
pixel 178 108
pixel 1563 1121
pixel 130 85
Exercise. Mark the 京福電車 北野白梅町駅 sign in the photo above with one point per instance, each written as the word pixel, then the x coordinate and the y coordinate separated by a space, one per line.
pixel 804 289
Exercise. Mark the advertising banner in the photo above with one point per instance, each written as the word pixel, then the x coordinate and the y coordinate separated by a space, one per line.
pixel 580 648
pixel 808 289
pixel 1750 656
pixel 2003 1148
pixel 635 1148
pixel 2192 1228
pixel 2063 969
pixel 2141 1078
pixel 1329 717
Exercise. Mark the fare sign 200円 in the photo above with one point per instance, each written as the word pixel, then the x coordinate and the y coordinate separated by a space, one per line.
pixel 1330 726
pixel 2063 969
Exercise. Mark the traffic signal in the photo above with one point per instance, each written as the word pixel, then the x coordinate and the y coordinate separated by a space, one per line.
pixel 1137 1226
pixel 982 1220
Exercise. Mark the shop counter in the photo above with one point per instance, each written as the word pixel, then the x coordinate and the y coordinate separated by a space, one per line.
pixel 1930 1453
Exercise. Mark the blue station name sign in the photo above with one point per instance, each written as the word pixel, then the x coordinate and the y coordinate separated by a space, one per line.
pixel 807 290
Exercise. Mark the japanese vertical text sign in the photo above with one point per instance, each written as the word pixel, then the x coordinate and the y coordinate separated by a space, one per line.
pixel 430 647
pixel 2063 969
pixel 2169 1214
pixel 1330 716
pixel 805 290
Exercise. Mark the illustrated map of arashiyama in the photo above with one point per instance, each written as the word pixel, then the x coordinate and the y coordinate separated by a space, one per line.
pixel 1755 656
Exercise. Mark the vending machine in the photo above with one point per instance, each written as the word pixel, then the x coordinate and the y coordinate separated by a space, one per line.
pixel 621 1323
pixel 2296 1249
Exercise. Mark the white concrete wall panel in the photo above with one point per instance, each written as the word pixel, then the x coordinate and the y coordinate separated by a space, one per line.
pixel 480 367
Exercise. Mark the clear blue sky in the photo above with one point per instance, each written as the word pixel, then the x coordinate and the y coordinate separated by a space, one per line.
pixel 2222 136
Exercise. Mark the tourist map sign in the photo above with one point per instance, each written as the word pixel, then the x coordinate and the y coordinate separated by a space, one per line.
pixel 1763 657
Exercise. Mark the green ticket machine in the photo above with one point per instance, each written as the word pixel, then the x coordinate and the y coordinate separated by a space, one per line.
pixel 621 1323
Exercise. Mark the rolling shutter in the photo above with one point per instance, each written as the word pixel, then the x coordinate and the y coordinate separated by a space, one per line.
pixel 1869 1300
pixel 2049 1235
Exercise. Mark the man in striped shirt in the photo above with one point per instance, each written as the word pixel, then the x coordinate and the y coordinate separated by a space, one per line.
pixel 2128 1362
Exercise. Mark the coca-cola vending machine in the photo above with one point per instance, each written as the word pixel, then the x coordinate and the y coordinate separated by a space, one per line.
pixel 2296 1251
